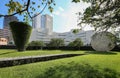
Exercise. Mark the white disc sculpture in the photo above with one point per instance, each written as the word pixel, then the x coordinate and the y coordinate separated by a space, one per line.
pixel 103 41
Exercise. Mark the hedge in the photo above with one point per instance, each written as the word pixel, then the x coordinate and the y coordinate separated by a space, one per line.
pixel 53 48
pixel 21 34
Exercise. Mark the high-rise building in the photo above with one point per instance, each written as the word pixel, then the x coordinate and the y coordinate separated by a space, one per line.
pixel 43 23
pixel 47 24
pixel 36 21
pixel 7 33
pixel 6 28
pixel 9 19
pixel 1 33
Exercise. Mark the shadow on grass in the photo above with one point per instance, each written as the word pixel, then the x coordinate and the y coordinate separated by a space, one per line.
pixel 7 53
pixel 101 53
pixel 76 70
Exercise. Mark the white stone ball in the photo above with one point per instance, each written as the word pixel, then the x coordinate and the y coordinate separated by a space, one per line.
pixel 103 41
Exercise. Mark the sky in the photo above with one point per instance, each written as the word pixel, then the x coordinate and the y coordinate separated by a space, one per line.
pixel 64 15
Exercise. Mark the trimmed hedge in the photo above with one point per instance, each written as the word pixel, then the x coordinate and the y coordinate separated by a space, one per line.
pixel 21 34
pixel 53 48
pixel 86 48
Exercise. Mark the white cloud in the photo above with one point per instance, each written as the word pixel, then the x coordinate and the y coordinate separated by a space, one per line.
pixel 61 9
pixel 56 13
pixel 69 18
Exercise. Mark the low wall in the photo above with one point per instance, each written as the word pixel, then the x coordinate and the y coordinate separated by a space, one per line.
pixel 6 62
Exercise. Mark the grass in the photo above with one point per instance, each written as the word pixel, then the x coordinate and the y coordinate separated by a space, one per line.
pixel 102 59
pixel 13 53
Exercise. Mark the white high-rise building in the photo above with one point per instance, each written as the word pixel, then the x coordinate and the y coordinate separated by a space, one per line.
pixel 47 24
pixel 43 23
pixel 36 21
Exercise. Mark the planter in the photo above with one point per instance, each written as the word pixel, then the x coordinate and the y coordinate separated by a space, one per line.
pixel 21 34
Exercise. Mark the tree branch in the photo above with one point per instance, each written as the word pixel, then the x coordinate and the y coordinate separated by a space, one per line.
pixel 41 10
pixel 27 6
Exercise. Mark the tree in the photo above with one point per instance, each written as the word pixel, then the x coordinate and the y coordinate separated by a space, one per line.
pixel 56 42
pixel 76 43
pixel 27 7
pixel 101 14
pixel 37 43
pixel 75 31
pixel 21 34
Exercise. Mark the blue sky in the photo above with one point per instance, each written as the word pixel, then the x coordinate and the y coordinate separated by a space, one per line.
pixel 64 17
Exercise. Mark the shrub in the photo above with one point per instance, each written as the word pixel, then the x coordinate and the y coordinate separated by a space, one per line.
pixel 75 31
pixel 56 42
pixel 75 70
pixel 37 43
pixel 76 43
pixel 21 34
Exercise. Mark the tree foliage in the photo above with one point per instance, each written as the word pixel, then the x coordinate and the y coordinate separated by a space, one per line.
pixel 75 31
pixel 101 14
pixel 21 34
pixel 37 43
pixel 28 7
pixel 56 42
pixel 76 43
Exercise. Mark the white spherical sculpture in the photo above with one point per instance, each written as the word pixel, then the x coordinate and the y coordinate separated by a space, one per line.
pixel 103 41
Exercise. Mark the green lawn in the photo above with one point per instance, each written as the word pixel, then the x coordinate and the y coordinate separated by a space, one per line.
pixel 110 60
pixel 14 53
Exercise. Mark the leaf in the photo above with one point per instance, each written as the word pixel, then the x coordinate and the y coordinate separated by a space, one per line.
pixel 33 3
pixel 75 1
pixel 50 8
pixel 38 6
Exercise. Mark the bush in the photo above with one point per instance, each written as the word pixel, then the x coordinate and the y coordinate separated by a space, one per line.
pixel 37 43
pixel 56 42
pixel 21 34
pixel 75 70
pixel 76 43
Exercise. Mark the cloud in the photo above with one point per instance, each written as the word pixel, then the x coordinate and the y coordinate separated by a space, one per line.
pixel 56 13
pixel 61 9
pixel 69 18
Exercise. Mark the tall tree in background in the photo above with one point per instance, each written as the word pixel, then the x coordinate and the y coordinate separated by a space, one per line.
pixel 56 42
pixel 101 14
pixel 76 43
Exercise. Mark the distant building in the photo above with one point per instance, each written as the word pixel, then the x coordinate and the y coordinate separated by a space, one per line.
pixel 1 33
pixel 6 28
pixel 47 24
pixel 43 31
pixel 9 19
pixel 43 23
pixel 3 41
pixel 67 36
pixel 7 33
pixel 36 21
